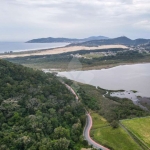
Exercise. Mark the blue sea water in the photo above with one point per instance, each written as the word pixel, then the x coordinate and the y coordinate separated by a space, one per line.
pixel 20 46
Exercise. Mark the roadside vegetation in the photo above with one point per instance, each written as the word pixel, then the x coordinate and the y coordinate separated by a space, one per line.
pixel 111 108
pixel 106 111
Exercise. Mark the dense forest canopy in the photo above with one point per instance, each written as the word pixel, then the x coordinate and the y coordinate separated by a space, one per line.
pixel 37 112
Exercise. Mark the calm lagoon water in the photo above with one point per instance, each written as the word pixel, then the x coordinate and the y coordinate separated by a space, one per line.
pixel 127 77
pixel 20 46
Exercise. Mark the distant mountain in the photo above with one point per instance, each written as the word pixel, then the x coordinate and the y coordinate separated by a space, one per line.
pixel 66 40
pixel 119 40
pixel 95 38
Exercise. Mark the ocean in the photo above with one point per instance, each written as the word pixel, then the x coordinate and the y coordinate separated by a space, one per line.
pixel 20 46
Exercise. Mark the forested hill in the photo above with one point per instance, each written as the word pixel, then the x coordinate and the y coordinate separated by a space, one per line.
pixel 37 112
pixel 119 40
pixel 66 40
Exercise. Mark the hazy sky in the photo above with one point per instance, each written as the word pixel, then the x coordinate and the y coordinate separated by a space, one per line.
pixel 21 20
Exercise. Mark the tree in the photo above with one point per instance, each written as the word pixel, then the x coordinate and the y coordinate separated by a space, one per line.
pixel 62 143
pixel 114 124
pixel 61 132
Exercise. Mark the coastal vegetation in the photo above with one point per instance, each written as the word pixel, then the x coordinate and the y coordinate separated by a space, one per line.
pixel 95 59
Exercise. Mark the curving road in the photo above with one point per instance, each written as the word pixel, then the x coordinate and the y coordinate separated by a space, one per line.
pixel 72 91
pixel 88 126
pixel 86 134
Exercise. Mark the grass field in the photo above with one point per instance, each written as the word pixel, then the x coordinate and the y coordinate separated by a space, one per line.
pixel 117 139
pixel 98 121
pixel 140 127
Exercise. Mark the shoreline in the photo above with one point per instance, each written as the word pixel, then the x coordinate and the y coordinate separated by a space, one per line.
pixel 140 96
pixel 56 70
pixel 99 67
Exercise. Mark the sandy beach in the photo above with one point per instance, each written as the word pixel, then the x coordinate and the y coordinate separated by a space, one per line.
pixel 59 51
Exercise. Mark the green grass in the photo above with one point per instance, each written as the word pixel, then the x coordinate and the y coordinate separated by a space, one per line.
pixel 98 121
pixel 140 127
pixel 117 139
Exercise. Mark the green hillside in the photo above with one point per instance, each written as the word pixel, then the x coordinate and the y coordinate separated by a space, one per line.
pixel 37 112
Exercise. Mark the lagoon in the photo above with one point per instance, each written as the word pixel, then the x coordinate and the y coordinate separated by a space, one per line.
pixel 126 77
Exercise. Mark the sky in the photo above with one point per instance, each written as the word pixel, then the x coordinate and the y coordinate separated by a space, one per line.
pixel 22 20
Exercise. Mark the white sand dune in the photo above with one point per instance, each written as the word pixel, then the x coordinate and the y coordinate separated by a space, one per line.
pixel 60 50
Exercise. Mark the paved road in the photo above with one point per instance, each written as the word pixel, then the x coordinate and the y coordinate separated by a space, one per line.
pixel 88 126
pixel 86 134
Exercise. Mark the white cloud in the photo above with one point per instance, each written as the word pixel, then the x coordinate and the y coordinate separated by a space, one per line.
pixel 73 18
pixel 144 24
